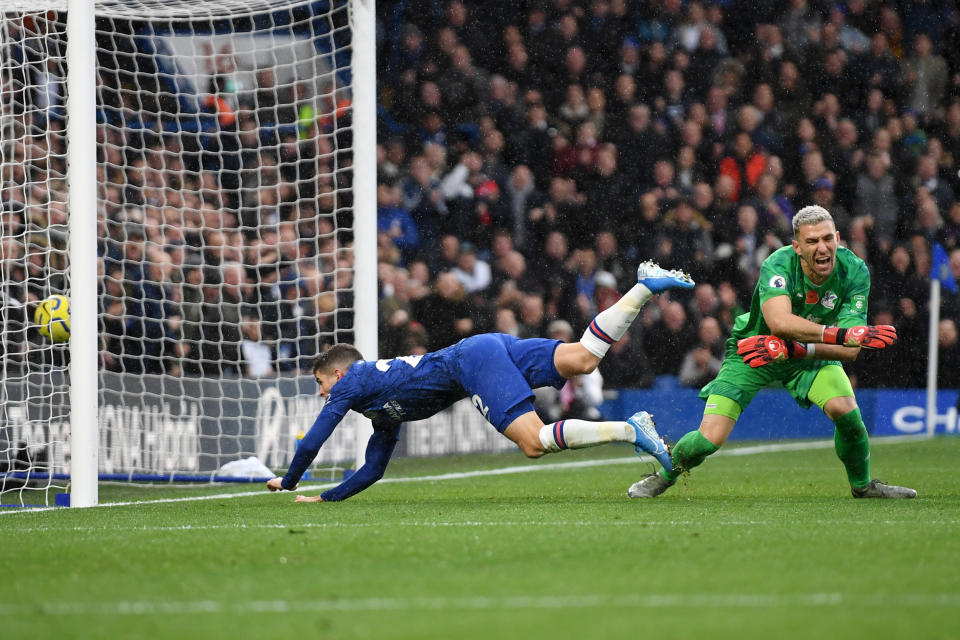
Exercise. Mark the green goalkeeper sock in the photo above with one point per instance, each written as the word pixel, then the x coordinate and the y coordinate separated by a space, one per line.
pixel 692 449
pixel 853 447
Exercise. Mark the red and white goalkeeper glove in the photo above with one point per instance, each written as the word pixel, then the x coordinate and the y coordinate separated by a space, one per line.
pixel 760 350
pixel 872 337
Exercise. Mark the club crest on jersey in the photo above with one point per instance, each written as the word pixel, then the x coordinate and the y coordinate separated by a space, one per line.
pixel 829 300
pixel 778 282
pixel 812 297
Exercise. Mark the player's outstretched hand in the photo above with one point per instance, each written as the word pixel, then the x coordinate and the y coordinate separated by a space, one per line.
pixel 870 337
pixel 760 350
pixel 274 484
pixel 308 499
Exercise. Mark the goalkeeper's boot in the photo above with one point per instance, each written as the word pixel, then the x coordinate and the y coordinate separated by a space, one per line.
pixel 657 279
pixel 880 489
pixel 648 440
pixel 649 487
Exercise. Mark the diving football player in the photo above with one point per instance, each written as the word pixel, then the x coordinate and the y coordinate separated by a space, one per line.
pixel 496 371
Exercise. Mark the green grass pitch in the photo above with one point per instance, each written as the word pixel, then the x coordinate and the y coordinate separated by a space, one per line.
pixel 766 545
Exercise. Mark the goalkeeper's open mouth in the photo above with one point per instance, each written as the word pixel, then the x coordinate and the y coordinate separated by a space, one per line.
pixel 823 263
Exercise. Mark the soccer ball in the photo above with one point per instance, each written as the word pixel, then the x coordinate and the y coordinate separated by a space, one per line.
pixel 52 318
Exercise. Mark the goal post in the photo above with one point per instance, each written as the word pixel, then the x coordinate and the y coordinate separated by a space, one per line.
pixel 82 204
pixel 221 231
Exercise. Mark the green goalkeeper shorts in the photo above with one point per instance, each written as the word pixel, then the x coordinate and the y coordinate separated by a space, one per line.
pixel 740 382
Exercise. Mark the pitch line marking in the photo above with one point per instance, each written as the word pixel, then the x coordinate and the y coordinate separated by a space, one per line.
pixel 549 466
pixel 480 603
pixel 186 528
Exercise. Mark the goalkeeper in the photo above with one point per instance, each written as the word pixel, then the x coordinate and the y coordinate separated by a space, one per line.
pixel 496 371
pixel 813 298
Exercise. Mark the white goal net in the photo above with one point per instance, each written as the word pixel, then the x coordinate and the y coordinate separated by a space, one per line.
pixel 224 150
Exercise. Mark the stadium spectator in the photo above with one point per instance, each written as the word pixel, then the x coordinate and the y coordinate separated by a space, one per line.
pixel 451 317
pixel 823 195
pixel 876 197
pixel 774 210
pixel 474 274
pixel 257 356
pixel 521 197
pixel 928 177
pixel 112 299
pixel 640 137
pixel 948 369
pixel 423 198
pixel 224 291
pixel 703 61
pixel 396 222
pixel 612 260
pixel 506 322
pixel 949 235
pixel 925 77
pixel 744 165
pixel 704 303
pixel 687 240
pixel 801 24
pixel 607 190
pixel 730 306
pixel 667 337
pixel 702 363
pixel 533 317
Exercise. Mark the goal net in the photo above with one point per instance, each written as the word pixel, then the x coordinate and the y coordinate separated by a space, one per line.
pixel 226 229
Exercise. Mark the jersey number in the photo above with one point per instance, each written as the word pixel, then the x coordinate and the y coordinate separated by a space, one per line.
pixel 478 403
pixel 383 365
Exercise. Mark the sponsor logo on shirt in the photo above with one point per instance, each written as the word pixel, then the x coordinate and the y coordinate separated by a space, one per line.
pixel 859 302
pixel 829 300
pixel 778 282
pixel 394 410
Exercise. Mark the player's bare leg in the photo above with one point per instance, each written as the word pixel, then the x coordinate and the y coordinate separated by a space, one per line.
pixel 536 439
pixel 572 359
pixel 716 428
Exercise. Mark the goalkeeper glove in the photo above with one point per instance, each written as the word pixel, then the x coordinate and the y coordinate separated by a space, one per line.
pixel 873 337
pixel 760 350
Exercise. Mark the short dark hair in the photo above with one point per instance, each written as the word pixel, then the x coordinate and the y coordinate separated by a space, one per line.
pixel 337 356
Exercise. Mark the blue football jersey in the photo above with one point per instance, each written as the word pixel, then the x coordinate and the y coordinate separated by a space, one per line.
pixel 400 389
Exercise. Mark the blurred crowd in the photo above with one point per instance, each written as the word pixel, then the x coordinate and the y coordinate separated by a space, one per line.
pixel 530 155
pixel 533 153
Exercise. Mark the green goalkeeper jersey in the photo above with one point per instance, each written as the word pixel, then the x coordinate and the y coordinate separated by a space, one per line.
pixel 840 301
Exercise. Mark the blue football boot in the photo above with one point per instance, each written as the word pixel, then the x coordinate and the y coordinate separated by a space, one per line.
pixel 657 279
pixel 648 440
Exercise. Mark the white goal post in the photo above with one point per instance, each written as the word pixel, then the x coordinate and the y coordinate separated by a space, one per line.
pixel 82 204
